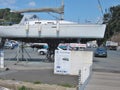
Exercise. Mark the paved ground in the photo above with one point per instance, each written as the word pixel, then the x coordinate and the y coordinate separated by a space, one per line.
pixel 105 76
pixel 104 81
pixel 106 73
pixel 36 72
pixel 100 79
pixel 111 63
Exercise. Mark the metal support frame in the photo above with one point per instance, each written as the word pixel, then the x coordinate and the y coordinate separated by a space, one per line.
pixel 20 51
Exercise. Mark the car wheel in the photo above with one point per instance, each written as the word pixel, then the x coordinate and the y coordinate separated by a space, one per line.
pixel 41 53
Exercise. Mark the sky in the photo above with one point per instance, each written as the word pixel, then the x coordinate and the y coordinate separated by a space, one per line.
pixel 81 11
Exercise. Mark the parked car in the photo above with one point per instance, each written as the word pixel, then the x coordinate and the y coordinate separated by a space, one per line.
pixel 43 48
pixel 14 43
pixel 100 52
pixel 8 45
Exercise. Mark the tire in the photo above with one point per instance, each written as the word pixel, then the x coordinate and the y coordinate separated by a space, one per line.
pixel 41 53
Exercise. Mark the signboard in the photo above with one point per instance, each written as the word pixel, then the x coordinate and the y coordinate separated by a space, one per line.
pixel 62 62
pixel 74 63
pixel 70 62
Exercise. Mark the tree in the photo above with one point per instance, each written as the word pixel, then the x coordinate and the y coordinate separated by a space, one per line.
pixel 112 19
pixel 7 16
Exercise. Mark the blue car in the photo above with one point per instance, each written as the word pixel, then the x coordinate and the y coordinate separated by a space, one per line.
pixel 100 52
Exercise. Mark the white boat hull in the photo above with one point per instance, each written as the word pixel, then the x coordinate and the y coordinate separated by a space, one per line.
pixel 53 31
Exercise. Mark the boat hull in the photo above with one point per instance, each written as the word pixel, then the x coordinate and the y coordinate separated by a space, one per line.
pixel 53 31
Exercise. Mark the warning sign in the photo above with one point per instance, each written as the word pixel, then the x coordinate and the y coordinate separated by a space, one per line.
pixel 62 62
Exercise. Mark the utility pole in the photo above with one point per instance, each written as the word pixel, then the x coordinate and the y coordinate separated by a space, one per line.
pixel 62 14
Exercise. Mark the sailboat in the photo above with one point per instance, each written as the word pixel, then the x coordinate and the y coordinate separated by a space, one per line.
pixel 53 32
pixel 33 27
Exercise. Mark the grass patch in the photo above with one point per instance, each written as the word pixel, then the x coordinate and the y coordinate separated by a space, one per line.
pixel 23 88
pixel 66 85
pixel 37 82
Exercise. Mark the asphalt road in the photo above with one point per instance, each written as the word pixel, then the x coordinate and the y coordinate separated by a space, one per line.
pixel 37 69
pixel 106 72
pixel 109 66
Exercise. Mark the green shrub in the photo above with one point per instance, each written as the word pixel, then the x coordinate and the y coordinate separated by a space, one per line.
pixel 66 85
pixel 23 88
pixel 37 82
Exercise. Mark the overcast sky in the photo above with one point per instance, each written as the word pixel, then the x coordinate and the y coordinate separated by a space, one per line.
pixel 75 10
